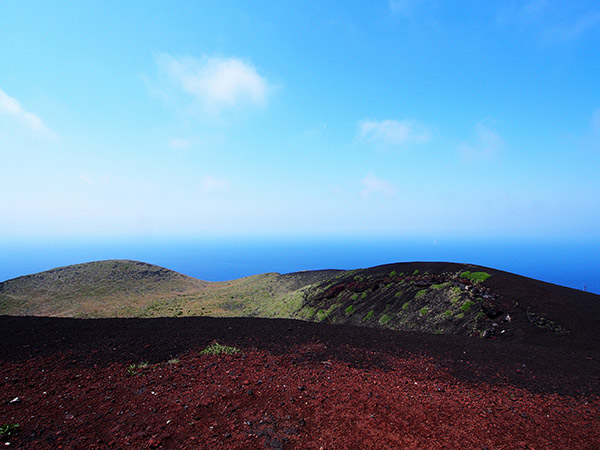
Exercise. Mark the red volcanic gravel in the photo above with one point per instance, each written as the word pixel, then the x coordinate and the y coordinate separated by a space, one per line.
pixel 294 385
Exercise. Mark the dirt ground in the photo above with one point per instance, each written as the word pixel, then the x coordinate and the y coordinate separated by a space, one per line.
pixel 72 384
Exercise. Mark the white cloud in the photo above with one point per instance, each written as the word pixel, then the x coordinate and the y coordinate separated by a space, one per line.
pixel 215 83
pixel 375 185
pixel 394 132
pixel 487 143
pixel 11 107
pixel 213 184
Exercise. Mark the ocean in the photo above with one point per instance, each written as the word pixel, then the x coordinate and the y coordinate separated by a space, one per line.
pixel 571 264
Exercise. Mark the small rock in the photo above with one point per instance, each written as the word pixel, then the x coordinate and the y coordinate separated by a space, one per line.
pixel 14 400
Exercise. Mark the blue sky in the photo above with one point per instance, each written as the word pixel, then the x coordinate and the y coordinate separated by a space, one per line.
pixel 400 118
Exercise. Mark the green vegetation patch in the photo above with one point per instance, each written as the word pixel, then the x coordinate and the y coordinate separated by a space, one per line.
pixel 460 315
pixel 466 306
pixel 393 274
pixel 406 305
pixel 217 349
pixel 421 293
pixel 424 310
pixel 363 295
pixel 385 319
pixel 447 313
pixel 369 316
pixel 355 297
pixel 398 294
pixel 416 272
pixel 475 277
pixel 350 310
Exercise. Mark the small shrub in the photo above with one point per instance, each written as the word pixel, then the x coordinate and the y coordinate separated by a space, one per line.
pixel 217 349
pixel 363 295
pixel 355 297
pixel 385 319
pixel 424 310
pixel 447 313
pixel 321 315
pixel 350 310
pixel 460 315
pixel 416 272
pixel 401 274
pixel 421 293
pixel 466 306
pixel 369 316
pixel 393 273
pixel 406 305
pixel 398 294
pixel 356 278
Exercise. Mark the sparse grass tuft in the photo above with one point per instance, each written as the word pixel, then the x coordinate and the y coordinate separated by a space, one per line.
pixel 217 349
pixel 133 369
pixel 8 429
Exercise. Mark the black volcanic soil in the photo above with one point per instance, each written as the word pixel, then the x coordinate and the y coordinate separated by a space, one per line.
pixel 294 385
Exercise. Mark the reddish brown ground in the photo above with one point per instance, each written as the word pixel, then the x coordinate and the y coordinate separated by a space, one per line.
pixel 294 386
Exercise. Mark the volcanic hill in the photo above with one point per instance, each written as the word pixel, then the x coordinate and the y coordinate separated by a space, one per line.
pixel 433 297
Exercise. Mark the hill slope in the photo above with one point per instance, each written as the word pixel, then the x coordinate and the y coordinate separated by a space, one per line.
pixel 436 297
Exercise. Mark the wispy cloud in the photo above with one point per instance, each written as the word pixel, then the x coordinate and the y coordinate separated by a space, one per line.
pixel 375 185
pixel 215 83
pixel 11 107
pixel 394 132
pixel 486 144
pixel 212 184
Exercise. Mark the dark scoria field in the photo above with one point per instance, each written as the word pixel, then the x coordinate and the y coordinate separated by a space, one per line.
pixel 82 384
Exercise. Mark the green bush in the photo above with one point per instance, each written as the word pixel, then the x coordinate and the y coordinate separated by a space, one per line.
pixel 350 310
pixel 460 315
pixel 424 310
pixel 363 295
pixel 369 316
pixel 355 297
pixel 217 349
pixel 447 313
pixel 393 273
pixel 406 305
pixel 416 272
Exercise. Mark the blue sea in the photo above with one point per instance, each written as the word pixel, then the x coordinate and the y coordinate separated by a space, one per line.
pixel 572 264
